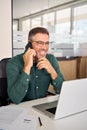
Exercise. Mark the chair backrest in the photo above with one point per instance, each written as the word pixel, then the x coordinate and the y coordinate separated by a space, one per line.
pixel 3 82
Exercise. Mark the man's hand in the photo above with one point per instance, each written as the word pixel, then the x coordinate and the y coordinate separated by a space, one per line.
pixel 44 63
pixel 28 60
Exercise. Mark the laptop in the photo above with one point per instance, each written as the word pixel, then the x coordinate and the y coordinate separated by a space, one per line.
pixel 72 100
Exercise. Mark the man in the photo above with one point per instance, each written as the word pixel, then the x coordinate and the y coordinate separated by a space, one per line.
pixel 30 74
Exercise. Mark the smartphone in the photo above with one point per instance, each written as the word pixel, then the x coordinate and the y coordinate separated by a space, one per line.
pixel 29 45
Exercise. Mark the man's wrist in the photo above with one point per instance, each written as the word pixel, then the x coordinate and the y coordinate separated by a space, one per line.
pixel 26 70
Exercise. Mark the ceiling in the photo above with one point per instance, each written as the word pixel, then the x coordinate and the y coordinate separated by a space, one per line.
pixel 23 8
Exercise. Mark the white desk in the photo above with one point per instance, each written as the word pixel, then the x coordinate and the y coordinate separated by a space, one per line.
pixel 75 122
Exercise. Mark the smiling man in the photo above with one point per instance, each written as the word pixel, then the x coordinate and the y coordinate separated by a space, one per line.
pixel 30 74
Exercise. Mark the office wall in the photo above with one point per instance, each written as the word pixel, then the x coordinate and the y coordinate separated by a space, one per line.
pixel 5 29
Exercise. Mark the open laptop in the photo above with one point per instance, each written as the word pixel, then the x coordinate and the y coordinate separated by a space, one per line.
pixel 72 100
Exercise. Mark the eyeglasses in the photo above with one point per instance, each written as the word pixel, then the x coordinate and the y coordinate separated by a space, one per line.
pixel 42 43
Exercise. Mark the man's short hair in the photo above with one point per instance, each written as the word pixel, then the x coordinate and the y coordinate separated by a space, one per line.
pixel 36 30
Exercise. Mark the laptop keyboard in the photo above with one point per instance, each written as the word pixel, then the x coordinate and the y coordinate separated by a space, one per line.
pixel 52 110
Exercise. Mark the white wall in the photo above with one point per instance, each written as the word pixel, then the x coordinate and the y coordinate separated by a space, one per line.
pixel 5 29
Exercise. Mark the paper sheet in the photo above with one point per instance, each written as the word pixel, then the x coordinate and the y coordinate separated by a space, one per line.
pixel 12 118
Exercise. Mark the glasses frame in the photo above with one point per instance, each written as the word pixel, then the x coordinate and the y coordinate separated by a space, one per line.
pixel 42 42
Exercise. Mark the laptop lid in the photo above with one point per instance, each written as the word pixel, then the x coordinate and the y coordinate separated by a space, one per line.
pixel 72 100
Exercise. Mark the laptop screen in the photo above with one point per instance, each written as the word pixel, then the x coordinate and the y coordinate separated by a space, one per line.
pixel 52 110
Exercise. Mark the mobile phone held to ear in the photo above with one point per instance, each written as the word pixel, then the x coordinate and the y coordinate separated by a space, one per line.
pixel 29 45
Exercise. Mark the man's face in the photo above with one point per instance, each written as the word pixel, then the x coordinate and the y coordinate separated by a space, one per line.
pixel 40 43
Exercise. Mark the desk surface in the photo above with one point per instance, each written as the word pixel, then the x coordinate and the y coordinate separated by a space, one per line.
pixel 75 122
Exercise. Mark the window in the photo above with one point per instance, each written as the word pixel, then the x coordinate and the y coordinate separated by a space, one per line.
pixel 80 29
pixel 80 19
pixel 15 25
pixel 36 22
pixel 48 21
pixel 63 21
pixel 26 25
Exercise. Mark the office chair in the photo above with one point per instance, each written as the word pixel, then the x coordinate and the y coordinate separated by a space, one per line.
pixel 3 83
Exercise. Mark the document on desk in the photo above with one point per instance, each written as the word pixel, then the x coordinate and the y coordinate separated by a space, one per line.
pixel 12 118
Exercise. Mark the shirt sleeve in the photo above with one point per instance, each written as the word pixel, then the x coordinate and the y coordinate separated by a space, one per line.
pixel 18 82
pixel 57 83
